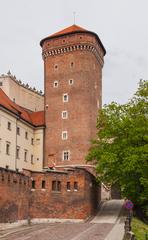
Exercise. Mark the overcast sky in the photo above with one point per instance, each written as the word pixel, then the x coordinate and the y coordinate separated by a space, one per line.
pixel 122 26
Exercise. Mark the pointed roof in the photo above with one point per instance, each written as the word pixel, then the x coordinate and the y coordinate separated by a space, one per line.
pixel 70 30
pixel 34 118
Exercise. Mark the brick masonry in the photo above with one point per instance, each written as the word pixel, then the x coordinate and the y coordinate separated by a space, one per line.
pixel 85 95
pixel 14 196
pixel 19 201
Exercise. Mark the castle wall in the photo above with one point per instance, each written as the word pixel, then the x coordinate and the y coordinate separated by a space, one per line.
pixel 77 203
pixel 27 197
pixel 14 196
pixel 21 94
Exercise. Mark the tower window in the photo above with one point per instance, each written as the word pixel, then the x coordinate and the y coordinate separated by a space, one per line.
pixel 64 135
pixel 55 84
pixel 75 186
pixel 53 185
pixel 26 135
pixel 66 155
pixel 64 114
pixel 8 148
pixel 65 97
pixel 9 125
pixel 33 184
pixel 56 186
pixel 18 131
pixel 32 159
pixel 68 186
pixel 56 66
pixel 70 81
pixel 71 64
pixel 43 184
pixel 17 152
pixel 25 155
pixel 1 83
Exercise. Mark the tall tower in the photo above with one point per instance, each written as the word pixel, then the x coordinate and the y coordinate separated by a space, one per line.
pixel 73 61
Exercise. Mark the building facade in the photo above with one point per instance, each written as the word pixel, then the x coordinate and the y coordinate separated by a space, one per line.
pixel 44 139
pixel 21 136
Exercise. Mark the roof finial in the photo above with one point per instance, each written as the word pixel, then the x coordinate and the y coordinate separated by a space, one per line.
pixel 9 73
pixel 74 17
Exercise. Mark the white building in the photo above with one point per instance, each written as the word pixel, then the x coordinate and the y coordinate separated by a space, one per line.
pixel 21 130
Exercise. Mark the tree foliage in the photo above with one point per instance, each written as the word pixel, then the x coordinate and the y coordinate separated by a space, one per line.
pixel 120 151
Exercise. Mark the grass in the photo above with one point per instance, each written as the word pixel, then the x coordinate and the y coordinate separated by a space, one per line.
pixel 139 228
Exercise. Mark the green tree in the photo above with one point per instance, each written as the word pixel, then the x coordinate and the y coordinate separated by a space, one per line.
pixel 120 151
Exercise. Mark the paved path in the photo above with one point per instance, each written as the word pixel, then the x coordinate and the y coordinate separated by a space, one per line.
pixel 109 212
pixel 104 226
pixel 60 231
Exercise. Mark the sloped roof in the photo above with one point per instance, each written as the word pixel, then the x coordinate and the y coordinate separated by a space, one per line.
pixel 70 30
pixel 37 118
pixel 34 118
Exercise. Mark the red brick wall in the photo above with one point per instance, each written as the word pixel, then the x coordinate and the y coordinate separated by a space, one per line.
pixel 84 95
pixel 18 201
pixel 14 196
pixel 80 204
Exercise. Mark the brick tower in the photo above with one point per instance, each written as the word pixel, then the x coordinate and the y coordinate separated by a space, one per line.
pixel 73 61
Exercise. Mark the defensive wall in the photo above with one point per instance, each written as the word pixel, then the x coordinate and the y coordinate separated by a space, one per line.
pixel 33 196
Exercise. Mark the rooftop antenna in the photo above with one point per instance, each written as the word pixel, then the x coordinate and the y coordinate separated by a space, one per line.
pixel 74 17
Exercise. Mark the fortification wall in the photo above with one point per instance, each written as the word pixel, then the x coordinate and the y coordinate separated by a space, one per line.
pixel 70 194
pixel 14 196
pixel 76 197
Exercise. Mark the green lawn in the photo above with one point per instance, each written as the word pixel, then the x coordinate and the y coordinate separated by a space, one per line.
pixel 139 228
